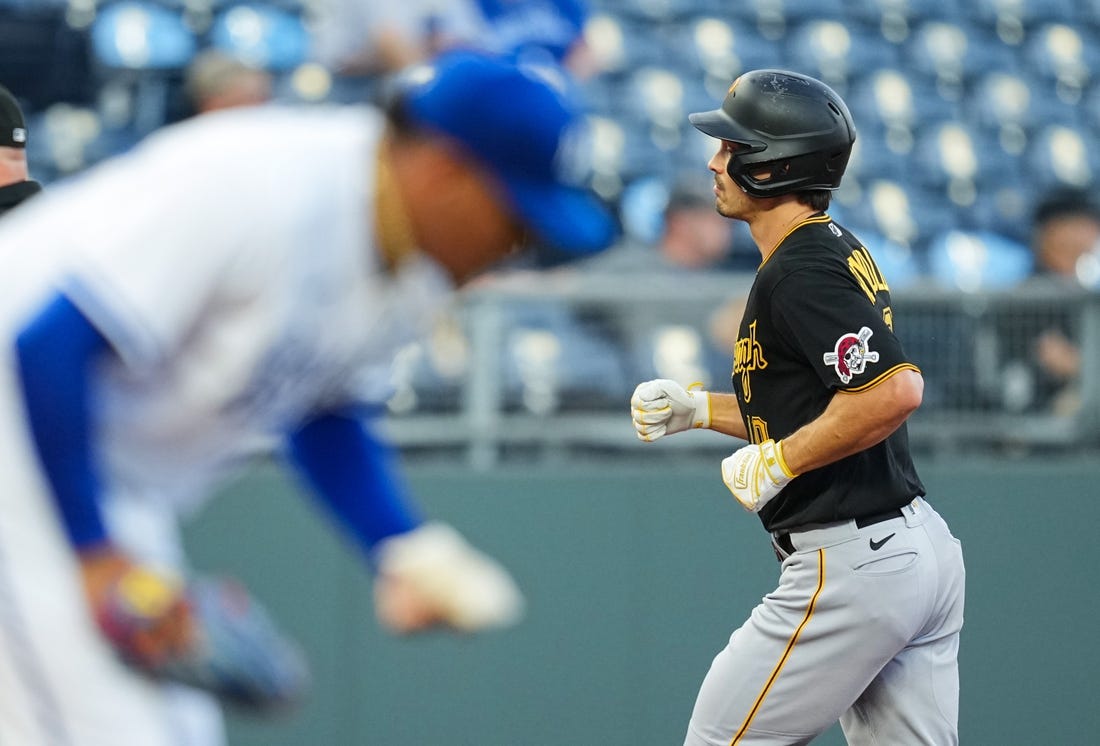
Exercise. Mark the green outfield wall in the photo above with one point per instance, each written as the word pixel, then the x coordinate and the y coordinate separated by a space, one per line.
pixel 635 578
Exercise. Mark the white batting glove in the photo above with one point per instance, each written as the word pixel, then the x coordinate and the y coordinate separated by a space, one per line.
pixel 663 407
pixel 432 577
pixel 756 473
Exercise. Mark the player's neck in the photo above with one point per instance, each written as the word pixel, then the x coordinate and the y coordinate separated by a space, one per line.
pixel 769 228
pixel 393 228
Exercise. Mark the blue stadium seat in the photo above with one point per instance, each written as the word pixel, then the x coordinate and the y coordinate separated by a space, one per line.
pixel 952 54
pixel 1008 108
pixel 836 52
pixel 1065 57
pixel 718 50
pixel 137 35
pixel 621 44
pixel 906 12
pixel 1003 208
pixel 951 155
pixel 262 35
pixel 1059 156
pixel 875 157
pixel 900 212
pixel 798 11
pixel 893 102
pixel 978 260
pixel 139 52
pixel 1009 15
pixel 555 359
pixel 900 265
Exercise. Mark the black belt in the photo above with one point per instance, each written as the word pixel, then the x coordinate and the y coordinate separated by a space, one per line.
pixel 871 520
pixel 783 541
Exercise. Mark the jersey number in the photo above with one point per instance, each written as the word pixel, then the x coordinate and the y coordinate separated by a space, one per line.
pixel 758 430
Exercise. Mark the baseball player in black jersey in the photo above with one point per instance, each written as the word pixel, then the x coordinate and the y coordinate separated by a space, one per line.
pixel 864 625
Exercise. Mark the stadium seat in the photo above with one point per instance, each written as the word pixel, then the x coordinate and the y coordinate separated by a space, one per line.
pixel 1013 18
pixel 139 52
pixel 893 102
pixel 835 51
pixel 875 157
pixel 718 50
pixel 978 260
pixel 1059 156
pixel 621 44
pixel 1001 100
pixel 262 35
pixel 1064 57
pixel 956 156
pixel 900 265
pixel 900 212
pixel 952 54
pixel 1003 208
pixel 135 35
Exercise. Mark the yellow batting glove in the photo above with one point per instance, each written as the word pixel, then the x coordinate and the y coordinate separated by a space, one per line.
pixel 756 473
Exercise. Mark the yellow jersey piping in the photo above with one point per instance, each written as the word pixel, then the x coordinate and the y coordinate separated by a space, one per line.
pixel 787 651
pixel 796 226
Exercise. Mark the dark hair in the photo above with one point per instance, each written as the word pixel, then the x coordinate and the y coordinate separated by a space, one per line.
pixel 1066 202
pixel 819 199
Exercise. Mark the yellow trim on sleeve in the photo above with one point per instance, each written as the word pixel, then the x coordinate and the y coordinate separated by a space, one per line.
pixel 876 381
pixel 786 652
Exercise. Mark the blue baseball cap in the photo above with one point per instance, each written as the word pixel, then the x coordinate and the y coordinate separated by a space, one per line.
pixel 522 125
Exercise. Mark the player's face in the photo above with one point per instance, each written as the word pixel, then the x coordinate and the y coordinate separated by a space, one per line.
pixel 484 231
pixel 731 201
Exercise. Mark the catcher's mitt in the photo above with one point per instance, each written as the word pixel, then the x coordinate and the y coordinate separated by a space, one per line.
pixel 232 649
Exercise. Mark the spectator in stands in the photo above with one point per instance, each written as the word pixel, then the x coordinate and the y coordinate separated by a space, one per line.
pixel 363 41
pixel 15 182
pixel 693 237
pixel 1065 230
pixel 539 32
pixel 215 80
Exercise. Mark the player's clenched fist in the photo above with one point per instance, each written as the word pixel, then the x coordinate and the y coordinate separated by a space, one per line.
pixel 431 577
pixel 756 473
pixel 663 407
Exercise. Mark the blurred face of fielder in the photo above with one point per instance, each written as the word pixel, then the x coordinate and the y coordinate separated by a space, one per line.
pixel 458 212
pixel 13 166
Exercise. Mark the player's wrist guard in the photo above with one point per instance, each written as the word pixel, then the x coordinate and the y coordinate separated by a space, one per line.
pixel 756 473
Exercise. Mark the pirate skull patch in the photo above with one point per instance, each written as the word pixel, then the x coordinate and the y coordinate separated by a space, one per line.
pixel 851 354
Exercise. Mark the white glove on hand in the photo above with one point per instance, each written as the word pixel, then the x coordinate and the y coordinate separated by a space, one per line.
pixel 663 407
pixel 756 473
pixel 432 577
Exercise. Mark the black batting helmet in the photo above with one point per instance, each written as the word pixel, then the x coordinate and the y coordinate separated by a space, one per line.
pixel 797 131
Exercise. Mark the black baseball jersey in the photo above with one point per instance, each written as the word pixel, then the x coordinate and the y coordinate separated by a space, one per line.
pixel 818 321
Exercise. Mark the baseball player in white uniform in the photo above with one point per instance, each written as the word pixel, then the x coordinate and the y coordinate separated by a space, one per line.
pixel 238 280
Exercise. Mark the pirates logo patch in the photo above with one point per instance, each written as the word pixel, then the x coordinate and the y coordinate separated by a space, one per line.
pixel 851 354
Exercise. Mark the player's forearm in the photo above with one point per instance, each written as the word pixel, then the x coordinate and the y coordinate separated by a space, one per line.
pixel 355 475
pixel 55 352
pixel 854 422
pixel 725 415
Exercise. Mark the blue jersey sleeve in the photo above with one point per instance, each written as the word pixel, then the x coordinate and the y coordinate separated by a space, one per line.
pixel 55 353
pixel 355 474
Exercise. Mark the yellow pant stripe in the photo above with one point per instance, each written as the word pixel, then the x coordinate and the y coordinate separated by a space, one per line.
pixel 787 651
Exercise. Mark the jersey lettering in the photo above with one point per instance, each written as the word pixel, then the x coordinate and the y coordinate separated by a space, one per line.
pixel 866 272
pixel 888 317
pixel 758 429
pixel 748 356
